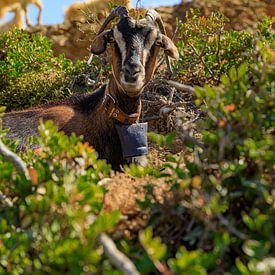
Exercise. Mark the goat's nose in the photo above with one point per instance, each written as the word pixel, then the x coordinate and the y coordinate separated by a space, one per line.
pixel 132 69
pixel 131 72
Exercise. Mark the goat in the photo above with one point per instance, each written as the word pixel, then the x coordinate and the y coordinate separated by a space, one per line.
pixel 78 11
pixel 8 5
pixel 134 46
pixel 16 22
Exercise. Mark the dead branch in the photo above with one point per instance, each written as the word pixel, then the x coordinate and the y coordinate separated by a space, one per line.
pixel 192 120
pixel 186 137
pixel 116 257
pixel 164 111
pixel 15 160
pixel 181 87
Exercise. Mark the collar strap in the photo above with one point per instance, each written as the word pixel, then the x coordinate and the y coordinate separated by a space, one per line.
pixel 113 111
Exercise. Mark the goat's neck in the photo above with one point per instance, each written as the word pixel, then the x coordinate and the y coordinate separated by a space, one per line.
pixel 127 104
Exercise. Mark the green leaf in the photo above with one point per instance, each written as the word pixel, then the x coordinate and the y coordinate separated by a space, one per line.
pixel 242 70
pixel 241 267
pixel 153 246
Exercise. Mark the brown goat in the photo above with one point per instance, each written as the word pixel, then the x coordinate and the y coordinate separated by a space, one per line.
pixel 134 45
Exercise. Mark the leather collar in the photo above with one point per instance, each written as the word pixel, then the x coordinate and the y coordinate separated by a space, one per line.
pixel 113 111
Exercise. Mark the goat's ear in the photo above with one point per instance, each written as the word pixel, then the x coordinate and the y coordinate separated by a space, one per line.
pixel 99 44
pixel 167 44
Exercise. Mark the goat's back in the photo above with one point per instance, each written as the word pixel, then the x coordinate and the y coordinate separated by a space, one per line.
pixel 69 115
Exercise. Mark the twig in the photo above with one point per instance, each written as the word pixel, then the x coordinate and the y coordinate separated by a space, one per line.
pixel 90 59
pixel 150 102
pixel 231 228
pixel 164 110
pixel 184 136
pixel 162 268
pixel 187 137
pixel 181 87
pixel 151 118
pixel 167 109
pixel 116 257
pixel 16 160
pixel 192 120
pixel 201 59
pixel 171 95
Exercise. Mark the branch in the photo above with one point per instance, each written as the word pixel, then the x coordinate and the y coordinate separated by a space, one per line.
pixel 192 120
pixel 117 258
pixel 164 111
pixel 16 160
pixel 231 228
pixel 181 87
pixel 186 137
pixel 200 56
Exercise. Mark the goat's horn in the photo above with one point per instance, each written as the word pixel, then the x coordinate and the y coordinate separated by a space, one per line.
pixel 119 11
pixel 154 16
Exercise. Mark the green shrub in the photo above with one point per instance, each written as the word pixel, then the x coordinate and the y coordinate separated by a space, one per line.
pixel 50 224
pixel 207 51
pixel 29 73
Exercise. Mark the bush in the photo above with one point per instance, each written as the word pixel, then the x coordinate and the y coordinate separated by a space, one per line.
pixel 50 224
pixel 29 73
pixel 207 50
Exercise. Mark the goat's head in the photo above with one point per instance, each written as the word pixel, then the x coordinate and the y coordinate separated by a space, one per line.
pixel 135 45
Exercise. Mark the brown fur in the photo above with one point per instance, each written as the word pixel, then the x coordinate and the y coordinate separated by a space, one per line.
pixel 97 129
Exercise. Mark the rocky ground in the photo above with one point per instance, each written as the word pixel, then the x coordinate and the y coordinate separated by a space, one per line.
pixel 74 38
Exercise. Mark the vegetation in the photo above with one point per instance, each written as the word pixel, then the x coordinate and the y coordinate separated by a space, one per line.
pixel 29 72
pixel 219 212
pixel 207 50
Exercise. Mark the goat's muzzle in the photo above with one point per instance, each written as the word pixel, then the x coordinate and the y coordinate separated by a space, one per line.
pixel 133 71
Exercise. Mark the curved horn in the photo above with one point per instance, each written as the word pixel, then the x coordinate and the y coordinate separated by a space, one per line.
pixel 154 16
pixel 119 11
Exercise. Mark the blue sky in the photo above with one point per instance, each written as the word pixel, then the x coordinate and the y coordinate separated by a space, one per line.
pixel 53 11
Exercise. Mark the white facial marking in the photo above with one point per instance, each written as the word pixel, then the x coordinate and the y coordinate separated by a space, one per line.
pixel 121 43
pixel 148 45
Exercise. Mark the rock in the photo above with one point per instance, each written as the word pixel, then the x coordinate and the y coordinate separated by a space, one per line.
pixel 74 38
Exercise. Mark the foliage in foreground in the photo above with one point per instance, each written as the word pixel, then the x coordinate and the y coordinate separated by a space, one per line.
pixel 221 203
pixel 50 224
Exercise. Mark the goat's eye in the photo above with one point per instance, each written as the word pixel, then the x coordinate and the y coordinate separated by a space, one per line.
pixel 110 37
pixel 159 43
